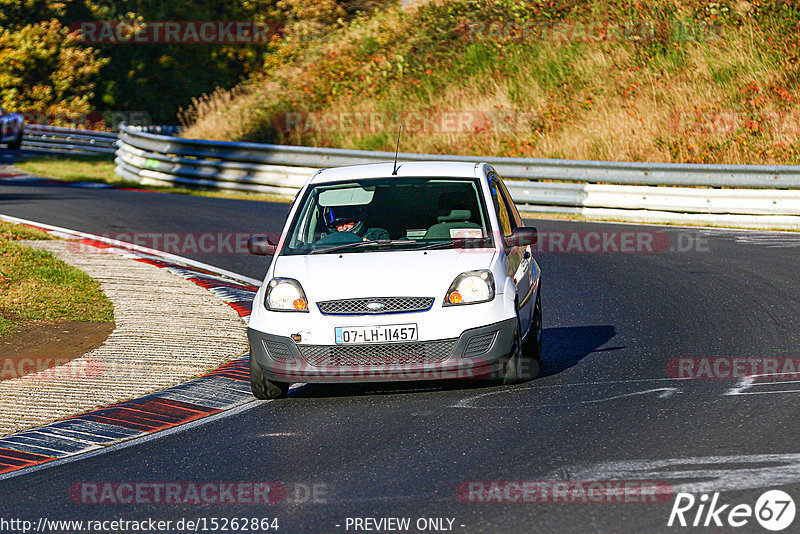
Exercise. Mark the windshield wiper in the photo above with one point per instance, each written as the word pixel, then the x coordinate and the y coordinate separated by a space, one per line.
pixel 375 242
pixel 438 244
pixel 354 244
pixel 403 242
pixel 482 242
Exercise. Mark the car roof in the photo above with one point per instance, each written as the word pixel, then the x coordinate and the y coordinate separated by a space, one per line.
pixel 449 169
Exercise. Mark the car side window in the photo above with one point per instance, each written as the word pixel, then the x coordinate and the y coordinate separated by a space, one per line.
pixel 502 210
pixel 516 220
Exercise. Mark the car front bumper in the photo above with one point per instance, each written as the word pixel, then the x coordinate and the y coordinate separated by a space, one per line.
pixel 475 353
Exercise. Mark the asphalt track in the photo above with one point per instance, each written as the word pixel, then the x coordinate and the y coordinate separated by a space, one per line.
pixel 606 407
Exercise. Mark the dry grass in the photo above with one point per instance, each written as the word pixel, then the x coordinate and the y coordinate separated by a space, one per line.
pixel 16 232
pixel 728 97
pixel 223 114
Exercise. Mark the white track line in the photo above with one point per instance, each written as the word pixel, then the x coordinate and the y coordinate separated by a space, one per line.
pixel 130 246
pixel 131 442
pixel 666 226
pixel 125 443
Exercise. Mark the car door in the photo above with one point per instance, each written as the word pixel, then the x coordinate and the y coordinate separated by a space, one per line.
pixel 527 271
pixel 518 259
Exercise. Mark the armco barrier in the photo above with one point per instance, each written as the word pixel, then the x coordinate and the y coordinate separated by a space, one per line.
pixel 58 139
pixel 733 195
pixel 80 141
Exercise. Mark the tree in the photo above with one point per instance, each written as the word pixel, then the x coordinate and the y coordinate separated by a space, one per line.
pixel 160 78
pixel 44 71
pixel 14 14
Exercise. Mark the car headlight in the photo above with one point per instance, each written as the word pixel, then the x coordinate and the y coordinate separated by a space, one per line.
pixel 471 287
pixel 285 294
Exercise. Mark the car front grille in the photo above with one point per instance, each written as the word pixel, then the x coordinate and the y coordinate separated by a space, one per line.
pixel 379 354
pixel 369 306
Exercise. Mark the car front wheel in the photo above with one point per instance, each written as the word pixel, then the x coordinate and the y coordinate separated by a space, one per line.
pixel 532 348
pixel 524 361
pixel 511 374
pixel 262 387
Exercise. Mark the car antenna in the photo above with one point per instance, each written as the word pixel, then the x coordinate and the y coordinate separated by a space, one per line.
pixel 396 150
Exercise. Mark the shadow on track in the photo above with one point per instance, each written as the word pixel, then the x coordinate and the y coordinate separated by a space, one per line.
pixel 14 198
pixel 40 188
pixel 563 348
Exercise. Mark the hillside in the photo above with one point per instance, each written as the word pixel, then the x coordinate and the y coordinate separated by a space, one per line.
pixel 655 80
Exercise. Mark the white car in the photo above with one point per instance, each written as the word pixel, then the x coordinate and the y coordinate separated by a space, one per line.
pixel 412 272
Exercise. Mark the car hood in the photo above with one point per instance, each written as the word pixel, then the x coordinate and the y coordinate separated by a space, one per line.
pixel 380 274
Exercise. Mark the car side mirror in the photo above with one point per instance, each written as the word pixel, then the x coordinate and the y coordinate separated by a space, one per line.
pixel 261 246
pixel 522 237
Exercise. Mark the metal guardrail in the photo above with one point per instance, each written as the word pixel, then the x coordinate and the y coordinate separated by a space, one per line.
pixel 59 139
pixel 746 195
pixel 694 175
pixel 151 166
pixel 162 129
pixel 80 141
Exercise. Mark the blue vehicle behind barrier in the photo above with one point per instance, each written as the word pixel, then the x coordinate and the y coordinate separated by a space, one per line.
pixel 11 129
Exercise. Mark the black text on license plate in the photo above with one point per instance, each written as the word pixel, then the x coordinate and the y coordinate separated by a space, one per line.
pixel 376 334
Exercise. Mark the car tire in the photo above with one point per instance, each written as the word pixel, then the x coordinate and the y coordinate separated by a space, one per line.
pixel 532 347
pixel 511 370
pixel 262 387
pixel 16 143
pixel 524 361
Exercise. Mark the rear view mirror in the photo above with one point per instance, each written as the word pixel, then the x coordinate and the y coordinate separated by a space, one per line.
pixel 261 246
pixel 522 237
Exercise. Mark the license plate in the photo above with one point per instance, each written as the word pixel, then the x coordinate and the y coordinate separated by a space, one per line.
pixel 388 333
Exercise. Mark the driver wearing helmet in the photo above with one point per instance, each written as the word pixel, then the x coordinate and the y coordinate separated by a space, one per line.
pixel 351 219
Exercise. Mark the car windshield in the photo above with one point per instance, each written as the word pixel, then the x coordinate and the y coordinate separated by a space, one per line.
pixel 367 215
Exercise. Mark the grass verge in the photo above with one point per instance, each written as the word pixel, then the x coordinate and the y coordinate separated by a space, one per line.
pixel 100 169
pixel 655 80
pixel 37 287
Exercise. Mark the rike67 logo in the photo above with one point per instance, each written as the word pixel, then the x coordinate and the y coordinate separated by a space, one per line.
pixel 774 510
